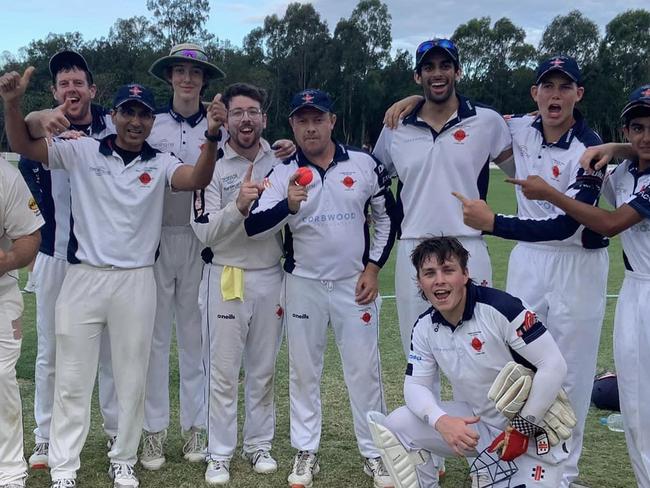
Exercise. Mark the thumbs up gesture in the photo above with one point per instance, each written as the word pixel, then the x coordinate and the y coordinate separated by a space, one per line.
pixel 13 85
pixel 217 115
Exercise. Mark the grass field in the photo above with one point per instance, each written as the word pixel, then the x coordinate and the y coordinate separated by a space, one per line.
pixel 605 462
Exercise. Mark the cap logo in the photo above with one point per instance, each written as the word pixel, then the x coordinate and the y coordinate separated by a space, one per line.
pixel 557 63
pixel 135 91
pixel 189 54
pixel 308 98
pixel 645 93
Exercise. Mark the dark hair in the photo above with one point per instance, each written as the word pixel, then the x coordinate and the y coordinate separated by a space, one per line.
pixel 634 113
pixel 442 248
pixel 67 66
pixel 244 90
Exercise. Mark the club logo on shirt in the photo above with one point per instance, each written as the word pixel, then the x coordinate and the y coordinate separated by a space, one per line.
pixel 348 181
pixel 538 473
pixel 145 178
pixel 366 317
pixel 556 171
pixel 460 135
pixel 33 206
pixel 279 311
pixel 530 319
pixel 477 344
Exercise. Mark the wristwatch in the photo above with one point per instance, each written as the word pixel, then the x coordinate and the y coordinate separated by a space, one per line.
pixel 210 138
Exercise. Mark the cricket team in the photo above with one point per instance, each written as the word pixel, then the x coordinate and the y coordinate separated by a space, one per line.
pixel 185 215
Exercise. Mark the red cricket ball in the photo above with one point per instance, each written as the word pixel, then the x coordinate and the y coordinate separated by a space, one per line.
pixel 305 176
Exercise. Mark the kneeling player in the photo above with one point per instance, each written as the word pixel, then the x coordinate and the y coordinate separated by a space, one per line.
pixel 472 333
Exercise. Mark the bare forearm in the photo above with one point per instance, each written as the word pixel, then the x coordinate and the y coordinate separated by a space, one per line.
pixel 204 167
pixel 21 252
pixel 35 123
pixel 595 218
pixel 18 134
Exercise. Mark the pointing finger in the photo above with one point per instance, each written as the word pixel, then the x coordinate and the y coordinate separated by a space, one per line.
pixel 515 181
pixel 249 173
pixel 460 196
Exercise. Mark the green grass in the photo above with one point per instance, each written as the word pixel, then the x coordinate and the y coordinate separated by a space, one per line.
pixel 604 464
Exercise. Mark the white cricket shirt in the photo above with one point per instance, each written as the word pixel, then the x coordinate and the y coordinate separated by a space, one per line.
pixel 430 165
pixel 117 209
pixel 626 184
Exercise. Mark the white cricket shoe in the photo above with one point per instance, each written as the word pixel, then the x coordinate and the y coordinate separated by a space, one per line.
pixel 38 459
pixel 217 472
pixel 305 467
pixel 374 467
pixel 153 453
pixel 123 476
pixel 64 483
pixel 195 449
pixel 399 463
pixel 262 461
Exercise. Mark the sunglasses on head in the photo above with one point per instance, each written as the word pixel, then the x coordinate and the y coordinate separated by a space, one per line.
pixel 192 53
pixel 443 43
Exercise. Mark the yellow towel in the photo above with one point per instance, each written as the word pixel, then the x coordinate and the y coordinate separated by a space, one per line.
pixel 232 283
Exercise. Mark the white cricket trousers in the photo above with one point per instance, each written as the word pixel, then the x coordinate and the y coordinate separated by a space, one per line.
pixel 309 306
pixel 631 345
pixel 250 329
pixel 566 286
pixel 409 302
pixel 48 274
pixel 91 299
pixel 13 468
pixel 178 274
pixel 414 434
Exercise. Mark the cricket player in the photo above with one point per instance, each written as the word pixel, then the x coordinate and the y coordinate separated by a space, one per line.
pixel 627 188
pixel 471 333
pixel 445 141
pixel 243 315
pixel 20 220
pixel 558 266
pixel 74 90
pixel 122 179
pixel 179 128
pixel 331 267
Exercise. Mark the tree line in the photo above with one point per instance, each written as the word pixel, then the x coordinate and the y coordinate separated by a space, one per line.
pixel 354 62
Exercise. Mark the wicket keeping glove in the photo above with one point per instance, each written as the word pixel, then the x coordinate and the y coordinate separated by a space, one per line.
pixel 513 442
pixel 510 390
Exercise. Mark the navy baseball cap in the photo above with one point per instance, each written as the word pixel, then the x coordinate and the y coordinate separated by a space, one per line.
pixel 563 64
pixel 639 98
pixel 68 58
pixel 445 45
pixel 311 98
pixel 134 92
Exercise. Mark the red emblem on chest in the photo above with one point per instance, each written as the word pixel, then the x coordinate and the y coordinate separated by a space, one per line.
pixel 366 317
pixel 145 178
pixel 556 170
pixel 477 344
pixel 348 181
pixel 279 312
pixel 460 134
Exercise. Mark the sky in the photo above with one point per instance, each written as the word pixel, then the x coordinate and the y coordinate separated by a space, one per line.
pixel 412 20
